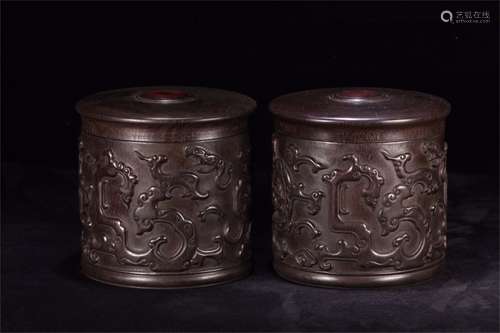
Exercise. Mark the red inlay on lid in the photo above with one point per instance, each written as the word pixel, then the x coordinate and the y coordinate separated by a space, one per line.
pixel 165 96
pixel 360 95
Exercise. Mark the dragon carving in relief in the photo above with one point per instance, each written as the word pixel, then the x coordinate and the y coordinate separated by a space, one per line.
pixel 106 223
pixel 395 234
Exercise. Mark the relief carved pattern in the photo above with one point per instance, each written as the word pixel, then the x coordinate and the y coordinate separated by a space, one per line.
pixel 209 162
pixel 290 198
pixel 187 181
pixel 287 193
pixel 403 227
pixel 241 205
pixel 113 215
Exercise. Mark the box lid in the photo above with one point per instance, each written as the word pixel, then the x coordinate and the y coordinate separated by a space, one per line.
pixel 165 113
pixel 165 104
pixel 360 106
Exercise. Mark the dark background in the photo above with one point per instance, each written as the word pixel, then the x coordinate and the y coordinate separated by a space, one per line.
pixel 56 53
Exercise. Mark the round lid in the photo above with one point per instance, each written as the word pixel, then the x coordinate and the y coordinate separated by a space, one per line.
pixel 360 106
pixel 165 105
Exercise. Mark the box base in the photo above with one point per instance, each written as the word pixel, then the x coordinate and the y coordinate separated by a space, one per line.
pixel 332 280
pixel 166 281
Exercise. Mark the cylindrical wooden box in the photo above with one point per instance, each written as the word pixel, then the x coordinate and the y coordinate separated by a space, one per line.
pixel 359 186
pixel 164 186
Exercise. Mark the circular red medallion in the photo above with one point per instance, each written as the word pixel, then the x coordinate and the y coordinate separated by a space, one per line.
pixel 360 95
pixel 165 96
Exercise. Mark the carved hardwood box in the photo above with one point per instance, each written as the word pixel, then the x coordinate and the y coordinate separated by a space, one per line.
pixel 359 186
pixel 164 186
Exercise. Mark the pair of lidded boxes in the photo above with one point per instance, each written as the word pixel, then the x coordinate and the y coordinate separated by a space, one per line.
pixel 358 186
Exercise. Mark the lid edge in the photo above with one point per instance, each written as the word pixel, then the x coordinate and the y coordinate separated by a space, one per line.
pixel 85 108
pixel 441 104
